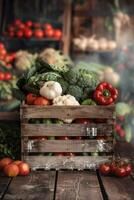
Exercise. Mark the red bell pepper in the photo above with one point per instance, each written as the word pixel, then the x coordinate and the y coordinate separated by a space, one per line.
pixel 105 94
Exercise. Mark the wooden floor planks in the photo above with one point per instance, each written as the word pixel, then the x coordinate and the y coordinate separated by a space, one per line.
pixel 4 182
pixel 75 185
pixel 36 186
pixel 119 188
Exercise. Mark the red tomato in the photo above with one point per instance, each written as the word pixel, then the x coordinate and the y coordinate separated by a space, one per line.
pixel 12 56
pixel 2 76
pixel 82 121
pixel 128 169
pixel 28 33
pixel 2 46
pixel 3 52
pixel 113 167
pixel 49 33
pixel 38 33
pixel 57 33
pixel 120 171
pixel 19 34
pixel 41 101
pixel 11 34
pixel 22 26
pixel 48 26
pixel 29 23
pixel 17 22
pixel 117 127
pixel 104 169
pixel 8 76
pixel 30 98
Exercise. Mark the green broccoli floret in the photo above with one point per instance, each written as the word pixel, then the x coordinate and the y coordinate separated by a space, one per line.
pixel 75 91
pixel 71 76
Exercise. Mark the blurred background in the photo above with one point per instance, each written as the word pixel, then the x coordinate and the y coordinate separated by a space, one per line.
pixel 92 33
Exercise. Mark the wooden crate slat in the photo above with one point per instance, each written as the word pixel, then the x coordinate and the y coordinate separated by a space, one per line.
pixel 35 146
pixel 64 130
pixel 80 185
pixel 65 162
pixel 67 112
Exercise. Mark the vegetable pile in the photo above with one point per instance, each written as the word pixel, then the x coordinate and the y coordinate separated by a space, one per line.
pixel 50 84
pixel 30 29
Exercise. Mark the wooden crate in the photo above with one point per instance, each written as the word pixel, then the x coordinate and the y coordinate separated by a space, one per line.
pixel 101 141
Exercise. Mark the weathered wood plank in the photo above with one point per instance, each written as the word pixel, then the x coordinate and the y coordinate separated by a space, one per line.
pixel 38 185
pixel 119 189
pixel 11 116
pixel 65 129
pixel 65 162
pixel 66 112
pixel 4 182
pixel 68 146
pixel 77 185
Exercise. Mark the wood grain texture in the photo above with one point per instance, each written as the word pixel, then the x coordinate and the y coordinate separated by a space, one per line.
pixel 77 185
pixel 119 189
pixel 65 129
pixel 67 112
pixel 65 162
pixel 38 185
pixel 68 146
pixel 4 181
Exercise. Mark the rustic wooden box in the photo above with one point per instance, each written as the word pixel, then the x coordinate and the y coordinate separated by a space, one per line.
pixel 98 137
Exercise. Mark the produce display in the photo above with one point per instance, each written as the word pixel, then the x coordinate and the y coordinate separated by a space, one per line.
pixel 13 168
pixel 64 85
pixel 84 43
pixel 30 29
pixel 118 168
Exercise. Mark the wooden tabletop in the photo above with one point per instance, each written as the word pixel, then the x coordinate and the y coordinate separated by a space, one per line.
pixel 66 185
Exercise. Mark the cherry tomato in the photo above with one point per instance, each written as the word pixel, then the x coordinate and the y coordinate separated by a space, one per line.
pixel 57 33
pixel 128 169
pixel 11 34
pixel 113 167
pixel 30 98
pixel 38 33
pixel 8 76
pixel 82 121
pixel 48 26
pixel 19 34
pixel 120 171
pixel 2 76
pixel 2 46
pixel 104 169
pixel 17 22
pixel 49 33
pixel 28 33
pixel 22 26
pixel 117 127
pixel 3 52
pixel 29 23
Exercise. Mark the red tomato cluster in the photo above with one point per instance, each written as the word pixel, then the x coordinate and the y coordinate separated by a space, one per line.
pixel 30 29
pixel 5 76
pixel 119 169
pixel 5 57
